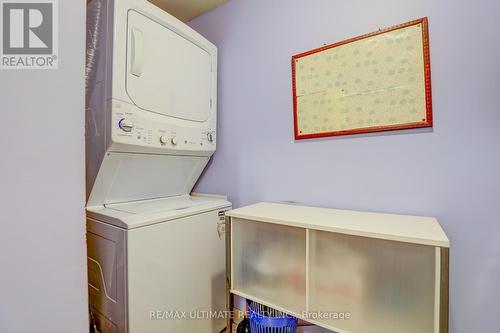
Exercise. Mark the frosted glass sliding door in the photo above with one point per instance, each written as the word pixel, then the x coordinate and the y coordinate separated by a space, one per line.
pixel 269 263
pixel 385 286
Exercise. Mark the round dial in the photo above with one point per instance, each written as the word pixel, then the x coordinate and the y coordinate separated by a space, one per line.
pixel 126 125
pixel 163 139
pixel 174 140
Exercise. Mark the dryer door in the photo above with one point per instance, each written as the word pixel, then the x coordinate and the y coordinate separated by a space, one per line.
pixel 167 73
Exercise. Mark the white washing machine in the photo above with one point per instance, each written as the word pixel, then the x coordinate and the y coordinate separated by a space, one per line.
pixel 156 255
pixel 157 265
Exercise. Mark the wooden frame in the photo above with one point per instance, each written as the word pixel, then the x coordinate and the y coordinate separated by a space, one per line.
pixel 426 121
pixel 444 304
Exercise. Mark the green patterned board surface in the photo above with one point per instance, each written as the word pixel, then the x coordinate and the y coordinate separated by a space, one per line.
pixel 372 82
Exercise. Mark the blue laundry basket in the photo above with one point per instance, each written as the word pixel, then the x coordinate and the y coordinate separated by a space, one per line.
pixel 267 320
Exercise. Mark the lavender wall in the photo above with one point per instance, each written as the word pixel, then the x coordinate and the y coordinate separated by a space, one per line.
pixel 450 172
pixel 43 264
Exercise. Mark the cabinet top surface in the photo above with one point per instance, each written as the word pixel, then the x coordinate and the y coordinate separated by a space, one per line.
pixel 403 228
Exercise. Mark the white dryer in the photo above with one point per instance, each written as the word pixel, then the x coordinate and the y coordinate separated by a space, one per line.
pixel 155 257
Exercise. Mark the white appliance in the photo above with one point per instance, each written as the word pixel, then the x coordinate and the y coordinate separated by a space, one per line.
pixel 155 266
pixel 156 259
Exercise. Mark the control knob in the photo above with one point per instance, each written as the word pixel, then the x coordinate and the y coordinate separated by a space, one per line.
pixel 163 139
pixel 174 140
pixel 126 125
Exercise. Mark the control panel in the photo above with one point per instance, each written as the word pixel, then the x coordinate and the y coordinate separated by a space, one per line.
pixel 142 128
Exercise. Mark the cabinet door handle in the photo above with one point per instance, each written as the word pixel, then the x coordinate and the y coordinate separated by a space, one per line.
pixel 137 60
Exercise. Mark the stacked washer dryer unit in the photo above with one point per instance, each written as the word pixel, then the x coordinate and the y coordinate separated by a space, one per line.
pixel 155 256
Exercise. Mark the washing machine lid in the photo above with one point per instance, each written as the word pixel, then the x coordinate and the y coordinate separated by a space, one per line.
pixel 168 73
pixel 142 213
pixel 162 205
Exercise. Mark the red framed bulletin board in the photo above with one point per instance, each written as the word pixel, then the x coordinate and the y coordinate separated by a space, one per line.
pixel 375 82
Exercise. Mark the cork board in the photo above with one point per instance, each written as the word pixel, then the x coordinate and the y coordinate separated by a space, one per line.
pixel 375 82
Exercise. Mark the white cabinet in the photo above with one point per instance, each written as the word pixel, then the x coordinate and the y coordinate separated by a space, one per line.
pixel 343 270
